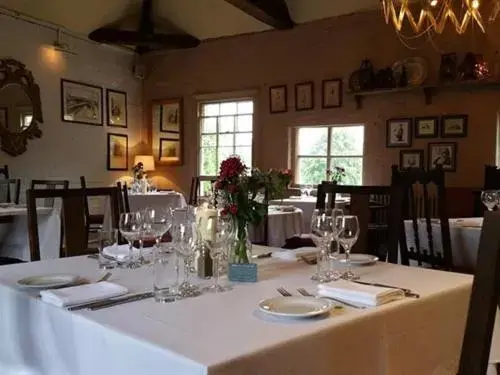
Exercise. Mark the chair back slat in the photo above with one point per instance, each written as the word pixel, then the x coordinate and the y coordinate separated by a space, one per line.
pixel 484 300
pixel 491 177
pixel 196 186
pixel 5 172
pixel 83 184
pixel 49 185
pixel 10 190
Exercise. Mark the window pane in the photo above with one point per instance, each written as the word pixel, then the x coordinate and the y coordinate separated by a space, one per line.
pixel 245 153
pixel 243 139
pixel 312 141
pixel 245 107
pixel 353 169
pixel 226 139
pixel 208 161
pixel 226 124
pixel 228 108
pixel 205 189
pixel 311 170
pixel 208 140
pixel 244 123
pixel 209 125
pixel 225 152
pixel 210 109
pixel 347 140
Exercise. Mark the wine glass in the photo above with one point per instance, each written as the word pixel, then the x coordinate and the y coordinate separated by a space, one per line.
pixel 130 227
pixel 322 235
pixel 347 238
pixel 333 249
pixel 490 199
pixel 156 222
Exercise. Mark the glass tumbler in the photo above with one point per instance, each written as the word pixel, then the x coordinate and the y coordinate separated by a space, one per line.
pixel 165 287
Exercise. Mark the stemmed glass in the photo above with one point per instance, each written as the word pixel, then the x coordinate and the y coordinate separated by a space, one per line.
pixel 347 238
pixel 130 227
pixel 156 222
pixel 490 199
pixel 322 235
pixel 333 249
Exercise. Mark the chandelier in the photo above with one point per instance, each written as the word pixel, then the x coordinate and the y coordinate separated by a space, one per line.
pixel 425 16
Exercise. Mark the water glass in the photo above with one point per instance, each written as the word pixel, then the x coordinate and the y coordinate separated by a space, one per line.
pixel 131 229
pixel 490 199
pixel 108 238
pixel 322 235
pixel 165 288
pixel 347 239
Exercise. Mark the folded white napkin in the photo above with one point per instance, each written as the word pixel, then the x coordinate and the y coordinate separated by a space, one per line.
pixel 76 295
pixel 294 254
pixel 367 295
pixel 121 252
pixel 470 222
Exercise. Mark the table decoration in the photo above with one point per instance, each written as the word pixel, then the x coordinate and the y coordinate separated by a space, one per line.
pixel 336 175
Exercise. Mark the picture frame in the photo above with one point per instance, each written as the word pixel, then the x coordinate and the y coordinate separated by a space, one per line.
pixel 304 96
pixel 117 158
pixel 426 127
pixel 4 117
pixel 399 132
pixel 81 103
pixel 332 93
pixel 278 101
pixel 444 154
pixel 170 115
pixel 411 159
pixel 454 126
pixel 116 104
pixel 170 152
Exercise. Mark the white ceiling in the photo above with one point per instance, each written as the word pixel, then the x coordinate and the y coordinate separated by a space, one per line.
pixel 203 19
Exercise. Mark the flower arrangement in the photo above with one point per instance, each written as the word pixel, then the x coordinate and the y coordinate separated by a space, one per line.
pixel 245 195
pixel 337 175
pixel 138 171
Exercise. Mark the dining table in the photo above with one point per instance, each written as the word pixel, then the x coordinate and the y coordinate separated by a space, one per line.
pixel 226 333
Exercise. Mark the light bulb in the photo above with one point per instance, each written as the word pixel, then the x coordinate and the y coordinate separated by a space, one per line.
pixel 433 3
pixel 475 4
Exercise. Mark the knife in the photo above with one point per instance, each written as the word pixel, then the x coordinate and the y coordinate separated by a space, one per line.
pixel 407 292
pixel 264 255
pixel 111 303
pixel 123 299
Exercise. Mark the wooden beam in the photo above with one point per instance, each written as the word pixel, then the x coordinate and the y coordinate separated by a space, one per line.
pixel 271 12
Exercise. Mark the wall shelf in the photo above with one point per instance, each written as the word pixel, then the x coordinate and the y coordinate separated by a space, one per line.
pixel 428 90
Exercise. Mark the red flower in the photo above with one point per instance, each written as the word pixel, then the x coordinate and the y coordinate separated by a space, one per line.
pixel 231 167
pixel 223 212
pixel 233 209
pixel 232 188
pixel 218 185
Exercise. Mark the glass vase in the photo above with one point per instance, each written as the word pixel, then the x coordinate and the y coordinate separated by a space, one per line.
pixel 241 249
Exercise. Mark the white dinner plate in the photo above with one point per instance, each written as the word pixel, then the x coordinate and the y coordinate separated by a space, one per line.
pixel 361 259
pixel 48 281
pixel 295 307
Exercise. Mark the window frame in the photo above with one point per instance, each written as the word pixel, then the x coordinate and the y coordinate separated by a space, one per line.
pixel 296 157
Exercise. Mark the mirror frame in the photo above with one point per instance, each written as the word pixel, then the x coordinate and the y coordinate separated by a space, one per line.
pixel 15 72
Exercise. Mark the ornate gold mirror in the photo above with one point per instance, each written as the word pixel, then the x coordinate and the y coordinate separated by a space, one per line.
pixel 20 107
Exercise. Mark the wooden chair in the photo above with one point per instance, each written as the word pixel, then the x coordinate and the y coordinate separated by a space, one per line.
pixel 484 300
pixel 73 216
pixel 124 203
pixel 94 221
pixel 195 187
pixel 9 190
pixel 491 178
pixel 49 185
pixel 408 181
pixel 5 171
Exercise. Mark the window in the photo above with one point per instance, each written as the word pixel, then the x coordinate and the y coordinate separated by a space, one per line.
pixel 326 147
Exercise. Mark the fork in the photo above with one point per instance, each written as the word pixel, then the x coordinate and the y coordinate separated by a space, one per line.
pixel 305 293
pixel 284 292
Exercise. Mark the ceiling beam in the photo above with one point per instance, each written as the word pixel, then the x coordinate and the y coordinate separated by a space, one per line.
pixel 272 12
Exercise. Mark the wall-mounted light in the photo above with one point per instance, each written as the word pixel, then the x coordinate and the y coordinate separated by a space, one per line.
pixel 60 46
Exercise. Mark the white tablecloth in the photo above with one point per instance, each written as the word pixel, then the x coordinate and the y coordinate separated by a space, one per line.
pixel 14 238
pixel 224 334
pixel 281 226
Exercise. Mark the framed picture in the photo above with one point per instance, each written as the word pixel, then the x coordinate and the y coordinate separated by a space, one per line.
pixel 398 132
pixel 411 159
pixel 443 154
pixel 81 103
pixel 278 99
pixel 116 102
pixel 117 152
pixel 426 127
pixel 332 93
pixel 304 96
pixel 170 151
pixel 4 117
pixel 170 115
pixel 454 126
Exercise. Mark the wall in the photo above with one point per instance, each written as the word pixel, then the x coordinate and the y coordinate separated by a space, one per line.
pixel 321 50
pixel 68 150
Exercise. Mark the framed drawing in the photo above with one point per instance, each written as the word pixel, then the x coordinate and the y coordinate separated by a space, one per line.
pixel 304 96
pixel 398 132
pixel 443 154
pixel 170 151
pixel 4 117
pixel 81 103
pixel 117 152
pixel 332 93
pixel 116 102
pixel 411 159
pixel 454 126
pixel 426 127
pixel 170 115
pixel 278 99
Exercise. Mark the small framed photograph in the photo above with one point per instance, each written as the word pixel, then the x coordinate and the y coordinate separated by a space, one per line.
pixel 398 132
pixel 278 99
pixel 454 126
pixel 116 102
pixel 81 103
pixel 411 159
pixel 117 152
pixel 170 112
pixel 426 127
pixel 170 151
pixel 4 117
pixel 443 154
pixel 304 96
pixel 332 93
